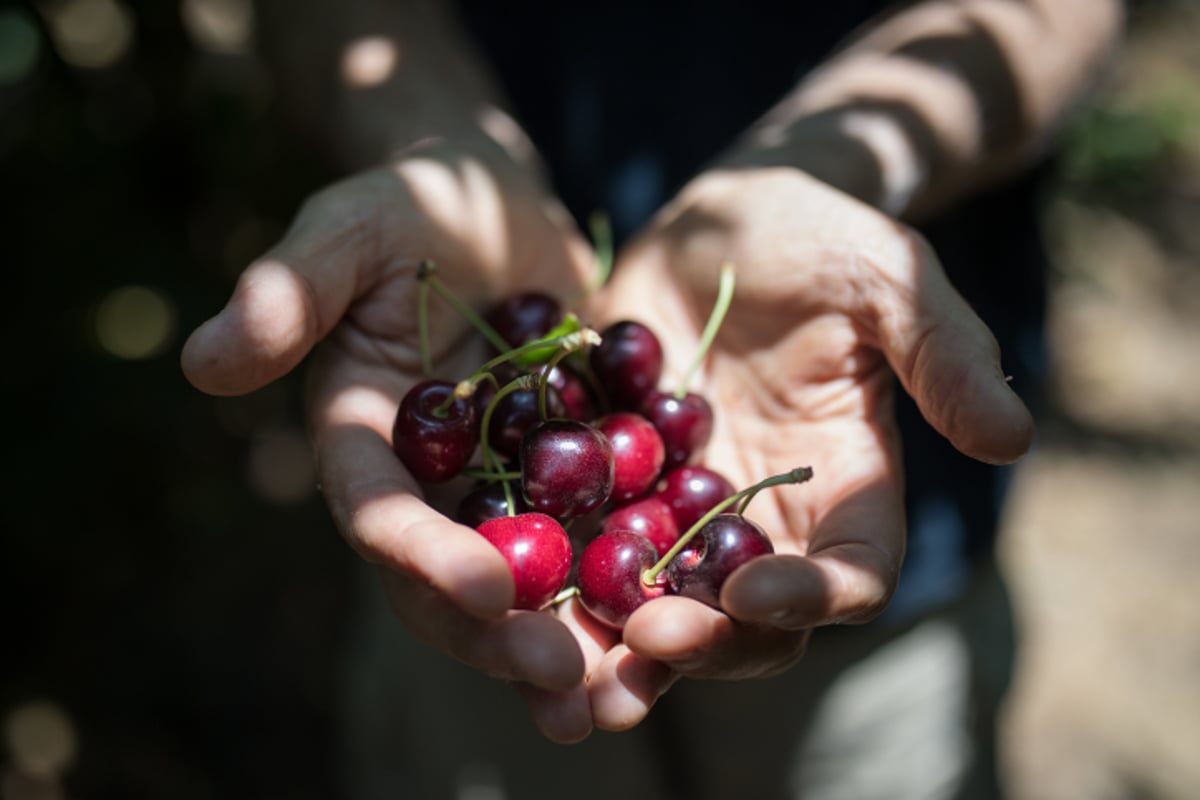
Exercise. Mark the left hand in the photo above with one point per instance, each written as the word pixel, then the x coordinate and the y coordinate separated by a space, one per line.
pixel 832 300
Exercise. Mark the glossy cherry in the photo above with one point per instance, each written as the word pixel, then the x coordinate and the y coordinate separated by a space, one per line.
pixel 637 453
pixel 685 424
pixel 515 413
pixel 627 363
pixel 538 553
pixel 691 491
pixel 650 517
pixel 488 501
pixel 435 443
pixel 525 317
pixel 577 398
pixel 610 576
pixel 566 468
pixel 726 542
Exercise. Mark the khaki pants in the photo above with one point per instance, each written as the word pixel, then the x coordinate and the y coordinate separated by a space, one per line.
pixel 871 712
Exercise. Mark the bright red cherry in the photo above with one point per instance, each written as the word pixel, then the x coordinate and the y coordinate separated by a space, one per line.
pixel 627 363
pixel 432 443
pixel 691 492
pixel 685 424
pixel 724 543
pixel 650 517
pixel 566 468
pixel 637 453
pixel 610 576
pixel 538 553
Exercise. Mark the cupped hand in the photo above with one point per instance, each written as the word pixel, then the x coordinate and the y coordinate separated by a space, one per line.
pixel 344 276
pixel 833 303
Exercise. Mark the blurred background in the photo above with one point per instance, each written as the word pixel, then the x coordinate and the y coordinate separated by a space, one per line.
pixel 173 593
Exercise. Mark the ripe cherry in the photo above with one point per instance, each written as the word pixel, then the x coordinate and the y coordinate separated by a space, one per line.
pixel 685 424
pixel 566 468
pixel 577 398
pixel 433 439
pixel 525 317
pixel 610 576
pixel 691 492
pixel 515 413
pixel 627 363
pixel 724 543
pixel 488 501
pixel 538 553
pixel 650 517
pixel 637 453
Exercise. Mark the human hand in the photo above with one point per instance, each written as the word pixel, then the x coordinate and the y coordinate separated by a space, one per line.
pixel 832 298
pixel 344 276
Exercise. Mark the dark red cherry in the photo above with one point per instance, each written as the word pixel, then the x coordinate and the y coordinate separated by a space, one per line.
pixel 566 468
pixel 627 363
pixel 650 517
pixel 525 317
pixel 685 425
pixel 488 501
pixel 574 391
pixel 610 576
pixel 724 543
pixel 637 453
pixel 515 414
pixel 691 492
pixel 538 554
pixel 434 445
pixel 486 390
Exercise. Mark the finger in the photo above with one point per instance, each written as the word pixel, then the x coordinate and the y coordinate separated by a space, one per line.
pixel 525 646
pixel 697 641
pixel 287 300
pixel 562 717
pixel 594 638
pixel 949 362
pixel 624 687
pixel 848 574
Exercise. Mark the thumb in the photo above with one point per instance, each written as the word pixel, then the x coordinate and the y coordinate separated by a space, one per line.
pixel 284 302
pixel 949 362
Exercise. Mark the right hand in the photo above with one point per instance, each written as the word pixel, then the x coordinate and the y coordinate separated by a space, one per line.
pixel 344 276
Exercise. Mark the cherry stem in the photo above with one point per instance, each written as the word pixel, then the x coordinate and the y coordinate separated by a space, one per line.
pixel 523 383
pixel 602 243
pixel 568 342
pixel 715 318
pixel 423 327
pixel 544 380
pixel 427 273
pixel 564 595
pixel 797 475
pixel 484 475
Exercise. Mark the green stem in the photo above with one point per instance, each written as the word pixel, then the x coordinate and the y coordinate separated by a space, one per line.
pixel 426 273
pixel 564 595
pixel 715 318
pixel 523 383
pixel 569 342
pixel 484 475
pixel 423 327
pixel 544 379
pixel 797 475
pixel 602 244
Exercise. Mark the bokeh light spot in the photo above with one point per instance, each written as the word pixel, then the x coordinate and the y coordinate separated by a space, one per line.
pixel 20 45
pixel 135 322
pixel 281 468
pixel 92 34
pixel 369 61
pixel 219 26
pixel 40 738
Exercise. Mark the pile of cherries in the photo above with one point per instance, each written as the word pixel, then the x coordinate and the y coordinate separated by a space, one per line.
pixel 574 431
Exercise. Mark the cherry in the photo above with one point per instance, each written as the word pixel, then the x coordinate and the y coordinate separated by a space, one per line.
pixel 627 363
pixel 576 396
pixel 525 317
pixel 637 453
pixel 538 553
pixel 691 492
pixel 435 432
pixel 685 424
pixel 487 501
pixel 650 517
pixel 610 576
pixel 724 543
pixel 566 468
pixel 515 413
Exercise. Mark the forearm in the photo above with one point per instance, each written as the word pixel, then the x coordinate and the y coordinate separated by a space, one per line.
pixel 368 77
pixel 938 98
